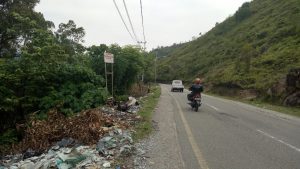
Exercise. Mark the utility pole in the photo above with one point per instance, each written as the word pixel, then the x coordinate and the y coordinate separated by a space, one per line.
pixel 144 44
pixel 155 67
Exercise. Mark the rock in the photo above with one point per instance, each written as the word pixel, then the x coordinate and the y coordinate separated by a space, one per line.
pixel 106 164
pixel 249 94
pixel 293 88
pixel 292 100
pixel 278 88
pixel 293 80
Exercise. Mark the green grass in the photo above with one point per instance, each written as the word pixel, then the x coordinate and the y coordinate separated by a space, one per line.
pixel 294 111
pixel 144 128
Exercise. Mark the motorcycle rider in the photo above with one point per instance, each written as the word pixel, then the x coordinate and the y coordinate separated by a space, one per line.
pixel 196 88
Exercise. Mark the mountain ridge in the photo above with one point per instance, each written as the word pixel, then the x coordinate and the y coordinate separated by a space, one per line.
pixel 255 49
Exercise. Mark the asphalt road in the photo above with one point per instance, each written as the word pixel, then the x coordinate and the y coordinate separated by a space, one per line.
pixel 232 135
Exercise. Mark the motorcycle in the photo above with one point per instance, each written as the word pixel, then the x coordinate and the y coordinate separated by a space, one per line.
pixel 196 102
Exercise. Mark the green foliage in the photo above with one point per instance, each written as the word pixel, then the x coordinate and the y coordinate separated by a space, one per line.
pixel 18 20
pixel 165 51
pixel 121 97
pixel 144 128
pixel 253 49
pixel 41 69
pixel 243 12
pixel 130 64
pixel 72 98
pixel 70 37
pixel 8 137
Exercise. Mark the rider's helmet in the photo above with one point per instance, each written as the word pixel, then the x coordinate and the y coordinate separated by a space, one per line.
pixel 197 81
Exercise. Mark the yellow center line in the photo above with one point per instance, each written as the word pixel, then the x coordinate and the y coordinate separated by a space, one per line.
pixel 200 158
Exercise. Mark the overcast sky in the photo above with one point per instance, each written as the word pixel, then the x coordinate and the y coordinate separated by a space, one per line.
pixel 166 21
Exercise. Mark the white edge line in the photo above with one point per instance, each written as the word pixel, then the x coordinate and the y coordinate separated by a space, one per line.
pixel 197 152
pixel 279 140
pixel 212 107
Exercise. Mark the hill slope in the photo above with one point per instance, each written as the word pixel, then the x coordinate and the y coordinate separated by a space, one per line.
pixel 253 50
pixel 162 52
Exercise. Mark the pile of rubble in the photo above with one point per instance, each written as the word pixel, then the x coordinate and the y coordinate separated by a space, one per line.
pixel 92 139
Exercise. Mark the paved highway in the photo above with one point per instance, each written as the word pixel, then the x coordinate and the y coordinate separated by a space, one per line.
pixel 231 135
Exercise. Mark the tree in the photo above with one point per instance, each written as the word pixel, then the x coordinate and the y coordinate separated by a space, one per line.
pixel 243 63
pixel 18 22
pixel 96 53
pixel 71 37
pixel 243 12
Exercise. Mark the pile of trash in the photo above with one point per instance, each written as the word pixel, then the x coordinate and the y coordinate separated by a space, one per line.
pixel 117 143
pixel 92 139
pixel 130 106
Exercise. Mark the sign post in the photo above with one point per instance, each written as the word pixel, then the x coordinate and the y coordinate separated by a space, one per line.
pixel 109 59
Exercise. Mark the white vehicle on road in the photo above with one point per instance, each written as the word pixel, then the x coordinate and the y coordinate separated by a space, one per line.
pixel 177 86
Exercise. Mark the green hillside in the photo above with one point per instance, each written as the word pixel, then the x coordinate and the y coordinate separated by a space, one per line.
pixel 253 49
pixel 166 50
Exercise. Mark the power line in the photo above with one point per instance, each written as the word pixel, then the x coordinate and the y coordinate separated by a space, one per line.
pixel 123 20
pixel 130 21
pixel 143 22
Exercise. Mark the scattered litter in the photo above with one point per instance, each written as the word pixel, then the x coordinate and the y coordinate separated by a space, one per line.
pixel 133 109
pixel 106 164
pixel 126 150
pixel 92 139
pixel 131 106
pixel 119 144
pixel 131 101
pixel 66 142
pixel 110 102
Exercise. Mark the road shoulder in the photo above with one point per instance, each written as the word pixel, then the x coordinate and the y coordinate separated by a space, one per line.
pixel 162 147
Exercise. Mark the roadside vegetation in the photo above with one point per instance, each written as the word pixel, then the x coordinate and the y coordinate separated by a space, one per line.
pixel 256 50
pixel 162 52
pixel 144 128
pixel 43 67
